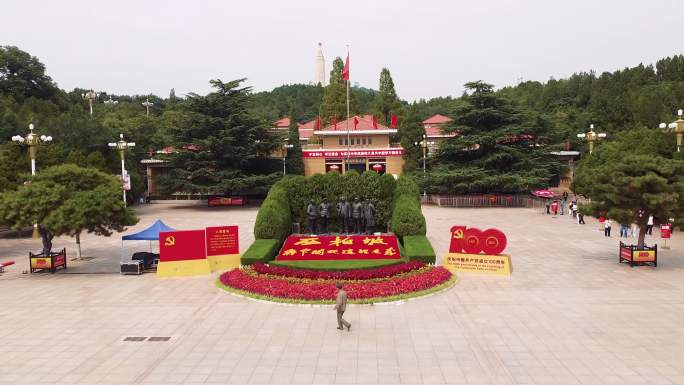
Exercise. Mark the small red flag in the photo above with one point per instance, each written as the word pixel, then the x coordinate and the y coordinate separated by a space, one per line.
pixel 345 70
pixel 375 122
pixel 334 122
pixel 394 121
pixel 356 122
pixel 318 123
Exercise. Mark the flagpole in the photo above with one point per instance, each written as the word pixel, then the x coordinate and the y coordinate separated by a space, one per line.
pixel 348 135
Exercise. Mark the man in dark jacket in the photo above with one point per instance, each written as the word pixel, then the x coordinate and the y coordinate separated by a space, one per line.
pixel 357 215
pixel 325 216
pixel 312 214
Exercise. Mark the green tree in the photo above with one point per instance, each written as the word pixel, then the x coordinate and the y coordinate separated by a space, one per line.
pixel 294 154
pixel 23 75
pixel 222 146
pixel 632 177
pixel 386 101
pixel 411 131
pixel 13 164
pixel 66 199
pixel 335 95
pixel 500 147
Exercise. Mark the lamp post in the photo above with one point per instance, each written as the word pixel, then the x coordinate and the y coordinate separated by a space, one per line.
pixel 678 127
pixel 122 146
pixel 147 105
pixel 592 137
pixel 110 101
pixel 286 146
pixel 424 144
pixel 32 141
pixel 90 96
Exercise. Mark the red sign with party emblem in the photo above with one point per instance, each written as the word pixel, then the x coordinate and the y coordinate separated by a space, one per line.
pixel 475 241
pixel 182 245
pixel 297 248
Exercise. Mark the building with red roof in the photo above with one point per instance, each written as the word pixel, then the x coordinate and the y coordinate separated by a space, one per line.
pixel 434 130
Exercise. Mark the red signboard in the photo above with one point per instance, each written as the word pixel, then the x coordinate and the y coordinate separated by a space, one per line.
pixel 665 230
pixel 474 241
pixel 340 247
pixel 352 153
pixel 181 245
pixel 225 201
pixel 222 240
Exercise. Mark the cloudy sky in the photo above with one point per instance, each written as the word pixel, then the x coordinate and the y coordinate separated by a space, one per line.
pixel 431 47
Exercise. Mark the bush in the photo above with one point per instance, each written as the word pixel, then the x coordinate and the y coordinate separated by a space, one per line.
pixel 418 248
pixel 262 250
pixel 407 219
pixel 274 220
pixel 406 186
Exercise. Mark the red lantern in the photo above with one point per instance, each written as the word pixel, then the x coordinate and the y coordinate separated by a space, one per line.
pixel 377 167
pixel 334 167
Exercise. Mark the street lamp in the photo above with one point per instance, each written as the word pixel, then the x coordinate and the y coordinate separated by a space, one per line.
pixel 90 96
pixel 286 146
pixel 122 146
pixel 591 137
pixel 147 105
pixel 678 127
pixel 424 144
pixel 110 101
pixel 32 141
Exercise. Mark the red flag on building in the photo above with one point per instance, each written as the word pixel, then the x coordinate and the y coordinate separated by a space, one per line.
pixel 345 70
pixel 394 121
pixel 356 122
pixel 318 123
pixel 375 122
pixel 335 122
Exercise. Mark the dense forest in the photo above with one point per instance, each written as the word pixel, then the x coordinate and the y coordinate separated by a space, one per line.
pixel 553 112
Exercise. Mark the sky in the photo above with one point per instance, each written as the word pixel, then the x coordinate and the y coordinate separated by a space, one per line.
pixel 430 47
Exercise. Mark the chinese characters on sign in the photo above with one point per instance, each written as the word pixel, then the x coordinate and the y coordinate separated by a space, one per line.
pixel 477 251
pixel 339 247
pixel 222 240
pixel 352 153
pixel 478 263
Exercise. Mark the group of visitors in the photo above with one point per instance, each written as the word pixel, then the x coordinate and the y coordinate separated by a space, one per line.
pixel 562 204
pixel 357 216
pixel 627 231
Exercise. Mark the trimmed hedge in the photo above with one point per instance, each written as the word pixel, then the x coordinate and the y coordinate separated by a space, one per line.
pixel 418 248
pixel 407 217
pixel 274 220
pixel 262 250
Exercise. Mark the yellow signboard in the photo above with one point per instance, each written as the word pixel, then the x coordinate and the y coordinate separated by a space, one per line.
pixel 643 255
pixel 478 263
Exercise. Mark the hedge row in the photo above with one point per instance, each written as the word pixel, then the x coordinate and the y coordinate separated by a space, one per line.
pixel 274 220
pixel 262 250
pixel 418 248
pixel 407 217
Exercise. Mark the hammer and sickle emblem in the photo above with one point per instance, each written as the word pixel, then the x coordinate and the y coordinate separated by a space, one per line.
pixel 170 241
pixel 458 234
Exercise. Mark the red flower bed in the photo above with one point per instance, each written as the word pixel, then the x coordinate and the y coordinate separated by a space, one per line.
pixel 348 275
pixel 280 288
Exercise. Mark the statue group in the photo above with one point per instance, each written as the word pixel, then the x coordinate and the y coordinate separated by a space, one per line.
pixel 356 217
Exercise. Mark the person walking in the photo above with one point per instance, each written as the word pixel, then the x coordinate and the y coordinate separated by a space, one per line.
pixel 623 230
pixel 580 218
pixel 554 207
pixel 562 205
pixel 341 306
pixel 548 206
pixel 573 208
pixel 606 227
pixel 649 225
pixel 635 230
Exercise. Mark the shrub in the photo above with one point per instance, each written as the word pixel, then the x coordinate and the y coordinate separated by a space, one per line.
pixel 406 186
pixel 407 219
pixel 418 248
pixel 262 250
pixel 274 220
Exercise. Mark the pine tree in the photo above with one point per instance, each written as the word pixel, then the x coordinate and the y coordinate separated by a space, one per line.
pixel 335 95
pixel 386 101
pixel 294 154
pixel 410 132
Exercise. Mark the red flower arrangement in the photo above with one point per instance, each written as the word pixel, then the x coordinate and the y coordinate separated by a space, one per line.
pixel 284 289
pixel 347 275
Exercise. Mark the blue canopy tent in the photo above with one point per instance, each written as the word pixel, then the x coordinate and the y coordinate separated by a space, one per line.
pixel 149 234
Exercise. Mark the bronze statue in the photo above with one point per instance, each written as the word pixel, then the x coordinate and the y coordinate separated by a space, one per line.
pixel 357 215
pixel 325 216
pixel 344 215
pixel 312 214
pixel 368 216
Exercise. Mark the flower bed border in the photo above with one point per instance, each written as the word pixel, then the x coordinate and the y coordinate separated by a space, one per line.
pixel 381 272
pixel 394 298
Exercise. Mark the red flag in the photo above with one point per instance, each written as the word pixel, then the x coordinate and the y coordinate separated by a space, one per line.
pixel 318 123
pixel 394 121
pixel 375 122
pixel 334 122
pixel 345 70
pixel 356 121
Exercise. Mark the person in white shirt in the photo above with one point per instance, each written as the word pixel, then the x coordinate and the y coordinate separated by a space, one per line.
pixel 649 225
pixel 635 230
pixel 606 228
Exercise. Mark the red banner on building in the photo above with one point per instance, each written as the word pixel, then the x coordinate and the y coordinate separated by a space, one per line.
pixel 181 245
pixel 222 240
pixel 352 153
pixel 340 247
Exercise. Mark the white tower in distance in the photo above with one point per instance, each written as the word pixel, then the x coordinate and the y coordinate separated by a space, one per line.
pixel 320 66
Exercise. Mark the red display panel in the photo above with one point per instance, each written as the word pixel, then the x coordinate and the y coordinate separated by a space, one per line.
pixel 222 240
pixel 341 247
pixel 182 245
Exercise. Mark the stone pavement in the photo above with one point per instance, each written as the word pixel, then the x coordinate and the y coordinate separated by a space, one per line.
pixel 569 314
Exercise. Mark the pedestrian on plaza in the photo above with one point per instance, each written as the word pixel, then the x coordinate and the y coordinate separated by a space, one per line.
pixel 548 206
pixel 623 230
pixel 565 196
pixel 606 227
pixel 635 230
pixel 341 306
pixel 554 207
pixel 325 215
pixel 573 209
pixel 649 225
pixel 580 218
pixel 312 213
pixel 562 203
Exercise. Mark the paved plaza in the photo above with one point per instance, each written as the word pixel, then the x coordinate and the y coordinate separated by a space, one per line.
pixel 569 314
